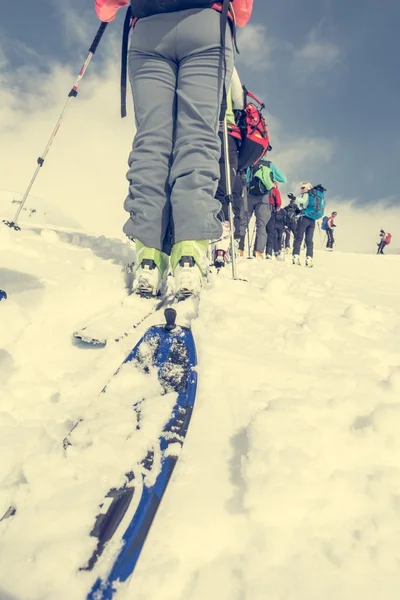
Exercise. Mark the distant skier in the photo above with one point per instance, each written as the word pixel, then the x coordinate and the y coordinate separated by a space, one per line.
pixel 177 72
pixel 383 241
pixel 312 205
pixel 329 230
pixel 292 211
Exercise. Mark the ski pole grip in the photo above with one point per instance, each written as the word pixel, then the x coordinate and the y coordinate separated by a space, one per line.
pixel 98 37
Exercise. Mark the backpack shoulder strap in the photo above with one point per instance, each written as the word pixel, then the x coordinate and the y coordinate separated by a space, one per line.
pixel 124 58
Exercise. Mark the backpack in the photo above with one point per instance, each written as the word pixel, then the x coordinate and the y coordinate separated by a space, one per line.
pixel 324 225
pixel 280 217
pixel 254 132
pixel 147 8
pixel 388 238
pixel 316 203
pixel 261 179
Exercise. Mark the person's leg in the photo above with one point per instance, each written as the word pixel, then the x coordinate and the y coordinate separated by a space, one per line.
pixel 262 212
pixel 287 237
pixel 221 189
pixel 153 76
pixel 310 228
pixel 238 206
pixel 300 231
pixel 195 172
pixel 278 240
pixel 270 230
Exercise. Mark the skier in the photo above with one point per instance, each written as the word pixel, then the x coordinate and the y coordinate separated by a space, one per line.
pixel 275 227
pixel 3 295
pixel 329 231
pixel 178 68
pixel 235 101
pixel 312 204
pixel 381 241
pixel 292 211
pixel 263 196
pixel 384 240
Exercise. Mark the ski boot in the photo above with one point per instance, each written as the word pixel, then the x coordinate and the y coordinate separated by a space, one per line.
pixel 296 259
pixel 151 272
pixel 190 267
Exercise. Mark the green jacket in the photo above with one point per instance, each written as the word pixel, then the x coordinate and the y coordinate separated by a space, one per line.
pixel 264 174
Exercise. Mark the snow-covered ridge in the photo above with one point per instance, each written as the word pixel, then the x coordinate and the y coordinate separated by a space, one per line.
pixel 288 484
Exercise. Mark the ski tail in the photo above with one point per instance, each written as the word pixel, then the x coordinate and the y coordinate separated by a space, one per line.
pixel 132 507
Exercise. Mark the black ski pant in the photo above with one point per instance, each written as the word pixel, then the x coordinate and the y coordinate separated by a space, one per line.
pixel 305 228
pixel 274 236
pixel 236 184
pixel 330 238
pixel 381 246
pixel 290 228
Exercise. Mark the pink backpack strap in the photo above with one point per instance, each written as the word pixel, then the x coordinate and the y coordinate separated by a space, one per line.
pixel 107 9
pixel 242 9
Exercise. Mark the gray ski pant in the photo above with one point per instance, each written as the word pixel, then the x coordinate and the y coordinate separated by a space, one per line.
pixel 262 210
pixel 176 70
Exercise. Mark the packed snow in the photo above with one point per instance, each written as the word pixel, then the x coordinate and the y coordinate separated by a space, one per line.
pixel 288 484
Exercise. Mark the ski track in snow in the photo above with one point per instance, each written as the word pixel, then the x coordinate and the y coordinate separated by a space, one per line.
pixel 288 485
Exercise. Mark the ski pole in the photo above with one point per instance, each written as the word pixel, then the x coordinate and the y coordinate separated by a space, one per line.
pixel 72 94
pixel 319 233
pixel 228 192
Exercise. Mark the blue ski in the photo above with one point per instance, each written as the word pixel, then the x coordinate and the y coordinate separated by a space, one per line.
pixel 133 506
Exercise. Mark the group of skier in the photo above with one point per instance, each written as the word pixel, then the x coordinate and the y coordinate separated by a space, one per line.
pixel 185 87
pixel 275 225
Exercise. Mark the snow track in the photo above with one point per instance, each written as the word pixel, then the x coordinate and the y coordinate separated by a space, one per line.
pixel 289 483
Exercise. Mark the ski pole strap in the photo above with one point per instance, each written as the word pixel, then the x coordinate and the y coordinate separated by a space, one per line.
pixel 124 59
pixel 98 37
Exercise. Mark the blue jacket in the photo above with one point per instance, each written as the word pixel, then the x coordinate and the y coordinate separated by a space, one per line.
pixel 277 173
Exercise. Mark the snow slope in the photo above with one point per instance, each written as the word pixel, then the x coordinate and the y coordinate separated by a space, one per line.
pixel 288 486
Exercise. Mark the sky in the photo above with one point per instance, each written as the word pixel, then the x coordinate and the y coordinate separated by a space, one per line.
pixel 327 71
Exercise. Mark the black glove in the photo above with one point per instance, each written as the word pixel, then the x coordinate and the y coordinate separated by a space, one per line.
pixel 291 196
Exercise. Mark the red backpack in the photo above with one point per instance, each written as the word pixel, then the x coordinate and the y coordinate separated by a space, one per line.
pixel 388 238
pixel 254 132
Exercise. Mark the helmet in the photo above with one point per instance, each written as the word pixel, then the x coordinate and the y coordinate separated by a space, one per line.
pixel 305 186
pixel 334 213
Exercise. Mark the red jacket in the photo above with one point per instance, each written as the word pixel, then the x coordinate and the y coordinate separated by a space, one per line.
pixel 275 199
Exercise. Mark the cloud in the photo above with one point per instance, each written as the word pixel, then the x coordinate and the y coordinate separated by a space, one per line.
pixel 302 158
pixel 254 47
pixel 358 227
pixel 315 54
pixel 84 172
